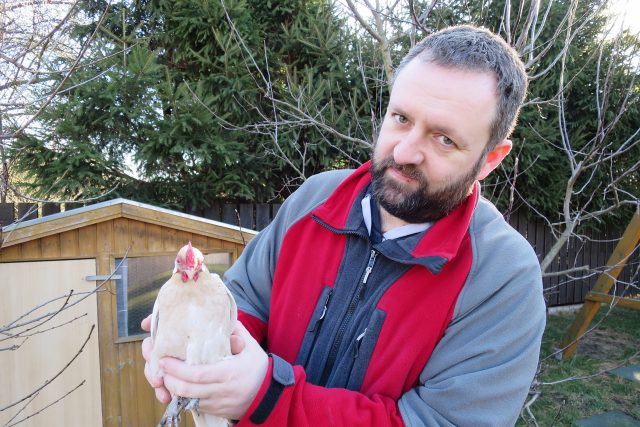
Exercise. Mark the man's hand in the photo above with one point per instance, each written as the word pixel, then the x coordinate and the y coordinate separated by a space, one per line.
pixel 225 388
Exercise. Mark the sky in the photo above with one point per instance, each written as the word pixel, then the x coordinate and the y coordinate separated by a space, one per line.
pixel 617 7
pixel 628 12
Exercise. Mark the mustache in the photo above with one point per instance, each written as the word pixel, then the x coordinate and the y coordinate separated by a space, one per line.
pixel 408 170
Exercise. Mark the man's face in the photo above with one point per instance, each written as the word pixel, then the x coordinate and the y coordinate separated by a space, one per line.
pixel 430 148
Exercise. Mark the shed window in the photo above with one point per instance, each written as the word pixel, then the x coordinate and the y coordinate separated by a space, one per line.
pixel 141 279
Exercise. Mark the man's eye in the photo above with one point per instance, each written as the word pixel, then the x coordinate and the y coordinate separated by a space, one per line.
pixel 445 140
pixel 399 118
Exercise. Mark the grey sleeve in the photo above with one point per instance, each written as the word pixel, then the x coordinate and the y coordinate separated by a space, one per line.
pixel 250 278
pixel 480 372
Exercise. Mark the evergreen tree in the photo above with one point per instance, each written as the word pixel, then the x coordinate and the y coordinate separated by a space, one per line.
pixel 243 99
pixel 169 85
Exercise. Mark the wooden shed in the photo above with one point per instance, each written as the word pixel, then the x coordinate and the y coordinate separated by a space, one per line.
pixel 123 249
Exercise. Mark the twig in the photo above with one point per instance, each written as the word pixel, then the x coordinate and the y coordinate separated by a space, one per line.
pixel 566 272
pixel 47 382
pixel 46 407
pixel 21 409
pixel 527 406
pixel 26 337
pixel 45 318
pixel 12 325
pixel 15 346
pixel 512 188
pixel 65 78
pixel 585 377
pixel 82 200
pixel 240 227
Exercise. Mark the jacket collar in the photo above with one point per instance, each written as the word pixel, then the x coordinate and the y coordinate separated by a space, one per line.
pixel 342 212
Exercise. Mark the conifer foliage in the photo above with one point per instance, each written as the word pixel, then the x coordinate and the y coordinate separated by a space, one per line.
pixel 175 101
pixel 180 103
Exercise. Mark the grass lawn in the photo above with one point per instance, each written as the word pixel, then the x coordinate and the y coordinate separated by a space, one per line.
pixel 614 341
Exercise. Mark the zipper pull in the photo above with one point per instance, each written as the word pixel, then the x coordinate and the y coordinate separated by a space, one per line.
pixel 358 342
pixel 372 260
pixel 324 312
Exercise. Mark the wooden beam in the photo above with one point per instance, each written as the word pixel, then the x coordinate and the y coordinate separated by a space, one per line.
pixel 191 225
pixel 611 299
pixel 619 256
pixel 50 226
pixel 60 225
pixel 603 285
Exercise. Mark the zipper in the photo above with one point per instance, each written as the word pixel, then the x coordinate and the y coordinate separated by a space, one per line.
pixel 316 325
pixel 358 342
pixel 315 328
pixel 356 353
pixel 367 272
pixel 333 352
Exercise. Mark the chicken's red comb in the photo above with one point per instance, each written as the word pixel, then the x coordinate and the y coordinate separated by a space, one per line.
pixel 190 257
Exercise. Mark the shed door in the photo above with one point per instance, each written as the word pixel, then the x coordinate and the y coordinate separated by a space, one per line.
pixel 41 357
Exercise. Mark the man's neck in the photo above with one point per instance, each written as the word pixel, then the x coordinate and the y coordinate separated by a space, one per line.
pixel 388 222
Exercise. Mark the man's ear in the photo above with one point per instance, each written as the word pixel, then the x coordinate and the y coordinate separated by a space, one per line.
pixel 494 158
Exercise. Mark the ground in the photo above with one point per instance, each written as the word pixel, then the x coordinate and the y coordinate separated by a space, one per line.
pixel 614 342
pixel 607 345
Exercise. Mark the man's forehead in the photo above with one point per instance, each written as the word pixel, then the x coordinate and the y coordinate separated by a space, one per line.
pixel 449 98
pixel 425 64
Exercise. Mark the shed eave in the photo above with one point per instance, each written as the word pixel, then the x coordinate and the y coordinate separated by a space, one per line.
pixel 24 231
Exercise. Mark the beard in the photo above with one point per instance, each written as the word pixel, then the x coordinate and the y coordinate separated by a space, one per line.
pixel 422 204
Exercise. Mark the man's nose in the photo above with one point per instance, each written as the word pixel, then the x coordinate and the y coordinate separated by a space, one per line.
pixel 409 149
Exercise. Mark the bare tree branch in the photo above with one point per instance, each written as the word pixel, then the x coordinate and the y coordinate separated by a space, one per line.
pixel 60 399
pixel 47 382
pixel 64 79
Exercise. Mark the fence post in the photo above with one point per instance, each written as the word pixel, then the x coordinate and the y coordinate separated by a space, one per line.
pixel 6 214
pixel 72 205
pixel 275 208
pixel 263 217
pixel 229 213
pixel 213 211
pixel 27 211
pixel 246 215
pixel 50 208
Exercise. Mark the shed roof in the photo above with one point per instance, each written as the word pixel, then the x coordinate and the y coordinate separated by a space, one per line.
pixel 121 208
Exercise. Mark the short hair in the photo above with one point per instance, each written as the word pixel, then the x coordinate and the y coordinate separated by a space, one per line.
pixel 472 48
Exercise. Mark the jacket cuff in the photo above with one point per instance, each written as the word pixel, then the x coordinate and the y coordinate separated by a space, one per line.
pixel 279 375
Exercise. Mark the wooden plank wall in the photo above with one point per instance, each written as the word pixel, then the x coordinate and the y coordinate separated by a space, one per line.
pixel 559 290
pixel 128 400
pixel 35 288
pixel 254 216
pixel 593 251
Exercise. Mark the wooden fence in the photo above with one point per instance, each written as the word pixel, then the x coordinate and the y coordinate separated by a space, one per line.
pixel 563 289
pixel 593 251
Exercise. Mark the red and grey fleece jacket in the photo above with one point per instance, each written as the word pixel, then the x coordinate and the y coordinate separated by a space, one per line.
pixel 439 328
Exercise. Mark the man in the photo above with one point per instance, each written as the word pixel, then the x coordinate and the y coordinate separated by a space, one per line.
pixel 393 294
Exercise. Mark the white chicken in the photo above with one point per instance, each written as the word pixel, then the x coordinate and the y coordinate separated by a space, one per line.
pixel 193 317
